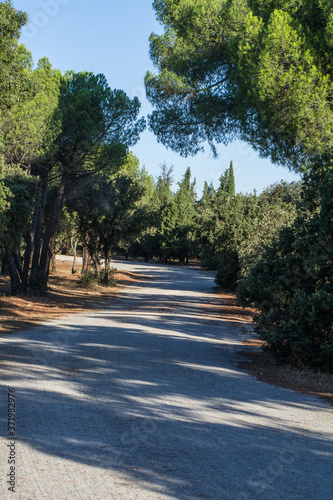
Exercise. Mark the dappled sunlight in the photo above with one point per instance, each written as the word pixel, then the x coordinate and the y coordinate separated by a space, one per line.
pixel 211 369
pixel 148 390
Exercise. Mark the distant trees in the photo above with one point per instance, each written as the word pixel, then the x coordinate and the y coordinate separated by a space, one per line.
pixel 110 210
pixel 278 208
pixel 226 231
pixel 225 222
pixel 171 233
pixel 176 226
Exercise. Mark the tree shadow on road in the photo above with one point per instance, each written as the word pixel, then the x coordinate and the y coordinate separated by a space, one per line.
pixel 150 388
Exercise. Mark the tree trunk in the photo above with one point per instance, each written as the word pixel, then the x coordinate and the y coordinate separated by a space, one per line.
pixel 86 258
pixel 39 276
pixel 4 266
pixel 18 263
pixel 15 282
pixel 97 264
pixel 39 217
pixel 27 258
pixel 107 261
pixel 74 247
pixel 54 263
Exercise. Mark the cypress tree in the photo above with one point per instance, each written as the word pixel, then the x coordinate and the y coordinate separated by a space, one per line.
pixel 231 181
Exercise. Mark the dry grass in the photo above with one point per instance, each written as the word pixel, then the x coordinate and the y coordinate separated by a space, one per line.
pixel 264 367
pixel 228 308
pixel 66 295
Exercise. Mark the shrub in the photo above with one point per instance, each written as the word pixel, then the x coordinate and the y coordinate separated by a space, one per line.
pixel 291 285
pixel 104 277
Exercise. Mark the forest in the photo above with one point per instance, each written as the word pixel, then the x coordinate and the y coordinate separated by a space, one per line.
pixel 259 71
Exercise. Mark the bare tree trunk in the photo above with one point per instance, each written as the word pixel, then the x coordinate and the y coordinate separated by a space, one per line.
pixel 86 259
pixel 74 247
pixel 15 282
pixel 27 258
pixel 39 221
pixel 18 263
pixel 54 263
pixel 107 262
pixel 51 230
pixel 97 264
pixel 39 275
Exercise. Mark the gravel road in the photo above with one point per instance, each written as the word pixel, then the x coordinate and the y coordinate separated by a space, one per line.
pixel 143 399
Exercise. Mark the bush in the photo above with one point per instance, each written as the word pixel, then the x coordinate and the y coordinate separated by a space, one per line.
pixel 105 277
pixel 89 278
pixel 209 261
pixel 228 270
pixel 292 284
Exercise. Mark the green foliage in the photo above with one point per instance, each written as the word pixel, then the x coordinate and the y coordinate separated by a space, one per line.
pixel 231 180
pixel 93 115
pixel 104 277
pixel 5 196
pixel 175 219
pixel 184 246
pixel 258 70
pixel 31 128
pixel 233 225
pixel 15 83
pixel 291 284
pixel 110 207
pixel 278 206
pixel 233 230
pixel 60 129
pixel 89 131
pixel 205 224
pixel 224 221
pixel 20 191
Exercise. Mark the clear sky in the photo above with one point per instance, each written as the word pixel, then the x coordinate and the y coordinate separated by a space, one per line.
pixel 112 37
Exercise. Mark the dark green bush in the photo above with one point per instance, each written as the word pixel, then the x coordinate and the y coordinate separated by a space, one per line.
pixel 291 285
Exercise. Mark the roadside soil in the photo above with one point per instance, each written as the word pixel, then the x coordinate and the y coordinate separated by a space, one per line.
pixel 67 295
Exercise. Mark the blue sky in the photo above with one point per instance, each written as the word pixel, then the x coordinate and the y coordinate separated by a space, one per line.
pixel 112 37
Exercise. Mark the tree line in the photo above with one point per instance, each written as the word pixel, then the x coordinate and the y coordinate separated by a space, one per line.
pixel 260 71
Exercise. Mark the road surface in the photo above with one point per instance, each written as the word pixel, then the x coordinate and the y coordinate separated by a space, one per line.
pixel 143 399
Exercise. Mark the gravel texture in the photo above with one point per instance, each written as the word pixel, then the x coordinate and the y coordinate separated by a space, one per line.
pixel 143 399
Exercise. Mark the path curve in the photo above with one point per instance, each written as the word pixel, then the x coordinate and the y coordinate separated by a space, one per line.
pixel 144 399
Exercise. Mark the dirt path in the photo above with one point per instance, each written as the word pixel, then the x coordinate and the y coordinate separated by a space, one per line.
pixel 144 399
